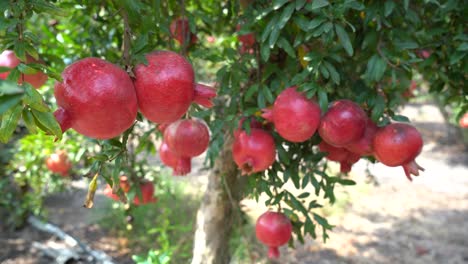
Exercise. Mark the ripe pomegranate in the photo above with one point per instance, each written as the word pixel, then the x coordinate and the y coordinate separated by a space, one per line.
pixel 8 59
pixel 295 117
pixel 166 87
pixel 180 31
pixel 96 98
pixel 146 189
pixel 273 229
pixel 180 165
pixel 410 91
pixel 398 144
pixel 364 145
pixel 341 155
pixel 59 163
pixel 187 137
pixel 463 122
pixel 343 123
pixel 424 53
pixel 247 40
pixel 253 152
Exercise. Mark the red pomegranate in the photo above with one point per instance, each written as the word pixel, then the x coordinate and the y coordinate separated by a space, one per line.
pixel 59 163
pixel 146 189
pixel 463 122
pixel 424 53
pixel 180 165
pixel 166 87
pixel 8 59
pixel 273 229
pixel 253 152
pixel 96 98
pixel 187 137
pixel 247 40
pixel 341 155
pixel 343 123
pixel 410 91
pixel 364 145
pixel 295 117
pixel 398 144
pixel 180 31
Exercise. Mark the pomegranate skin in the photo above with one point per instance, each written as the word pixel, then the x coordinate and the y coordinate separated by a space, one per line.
pixel 398 144
pixel 59 163
pixel 247 40
pixel 187 137
pixel 364 145
pixel 273 229
pixel 295 117
pixel 343 123
pixel 166 87
pixel 463 122
pixel 341 155
pixel 181 166
pixel 255 152
pixel 180 31
pixel 9 59
pixel 96 98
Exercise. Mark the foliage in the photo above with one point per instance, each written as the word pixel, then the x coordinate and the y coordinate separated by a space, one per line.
pixel 366 51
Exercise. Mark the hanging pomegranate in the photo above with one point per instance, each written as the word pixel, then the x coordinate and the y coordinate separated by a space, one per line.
pixel 8 59
pixel 166 87
pixel 96 98
pixel 273 229
pixel 295 117
pixel 59 163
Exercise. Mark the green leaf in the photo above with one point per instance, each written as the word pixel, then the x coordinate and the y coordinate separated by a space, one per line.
pixel 252 90
pixel 323 100
pixel 9 122
pixel 34 99
pixel 10 95
pixel 401 118
pixel 284 44
pixel 316 22
pixel 48 123
pixel 346 181
pixel 388 7
pixel 344 39
pixel 265 52
pixel 333 73
pixel 316 4
pixel 28 119
pixel 376 67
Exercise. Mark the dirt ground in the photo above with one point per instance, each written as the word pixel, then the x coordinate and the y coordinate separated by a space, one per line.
pixel 396 221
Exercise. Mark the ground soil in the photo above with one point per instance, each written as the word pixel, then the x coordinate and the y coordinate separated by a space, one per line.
pixel 393 221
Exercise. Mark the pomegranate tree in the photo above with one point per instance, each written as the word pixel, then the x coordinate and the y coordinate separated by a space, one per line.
pixel 166 87
pixel 59 163
pixel 398 144
pixel 180 31
pixel 8 59
pixel 295 117
pixel 96 98
pixel 273 229
pixel 343 123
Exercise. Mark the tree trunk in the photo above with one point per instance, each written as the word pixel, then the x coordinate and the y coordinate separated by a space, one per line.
pixel 217 213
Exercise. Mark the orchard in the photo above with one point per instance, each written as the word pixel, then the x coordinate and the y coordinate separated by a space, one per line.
pixel 270 93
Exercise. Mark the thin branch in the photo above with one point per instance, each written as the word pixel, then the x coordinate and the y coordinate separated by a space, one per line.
pixel 379 50
pixel 127 37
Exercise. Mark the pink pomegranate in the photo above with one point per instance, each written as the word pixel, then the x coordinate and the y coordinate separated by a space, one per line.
pixel 8 59
pixel 273 229
pixel 247 40
pixel 364 145
pixel 59 163
pixel 180 165
pixel 253 152
pixel 341 155
pixel 343 123
pixel 96 98
pixel 180 31
pixel 166 87
pixel 187 137
pixel 295 117
pixel 398 144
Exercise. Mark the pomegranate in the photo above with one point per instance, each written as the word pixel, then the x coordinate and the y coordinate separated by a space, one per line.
pixel 273 229
pixel 187 137
pixel 410 91
pixel 295 117
pixel 180 31
pixel 180 165
pixel 8 59
pixel 247 40
pixel 424 53
pixel 166 87
pixel 343 123
pixel 398 144
pixel 59 163
pixel 96 98
pixel 146 189
pixel 463 122
pixel 341 155
pixel 364 145
pixel 253 152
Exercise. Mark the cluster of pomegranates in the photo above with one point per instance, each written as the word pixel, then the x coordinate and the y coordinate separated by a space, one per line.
pixel 146 189
pixel 347 134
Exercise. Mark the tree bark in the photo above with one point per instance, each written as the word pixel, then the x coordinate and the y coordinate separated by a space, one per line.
pixel 217 213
